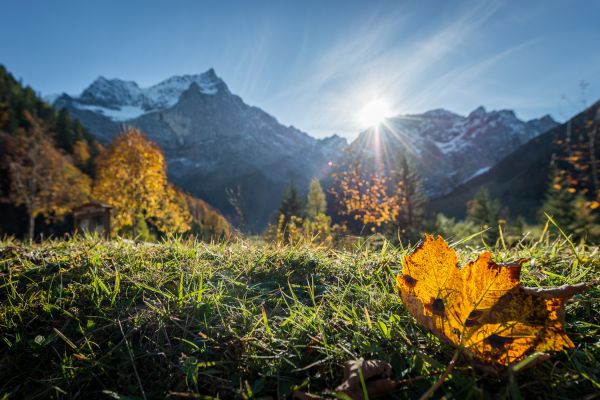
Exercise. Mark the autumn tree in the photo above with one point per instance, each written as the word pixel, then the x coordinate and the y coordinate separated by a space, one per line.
pixel 41 178
pixel 364 197
pixel 131 177
pixel 315 202
pixel 81 153
pixel 578 157
pixel 207 223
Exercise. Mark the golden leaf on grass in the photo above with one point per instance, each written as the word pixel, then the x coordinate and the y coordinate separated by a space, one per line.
pixel 482 307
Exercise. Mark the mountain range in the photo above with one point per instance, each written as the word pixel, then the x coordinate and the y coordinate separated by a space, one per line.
pixel 213 141
pixel 520 179
pixel 448 149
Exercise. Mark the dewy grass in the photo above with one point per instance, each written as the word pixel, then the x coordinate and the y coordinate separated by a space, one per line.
pixel 95 319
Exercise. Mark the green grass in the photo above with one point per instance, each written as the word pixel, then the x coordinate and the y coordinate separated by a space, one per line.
pixel 95 319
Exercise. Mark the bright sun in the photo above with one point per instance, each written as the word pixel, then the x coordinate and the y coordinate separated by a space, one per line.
pixel 374 112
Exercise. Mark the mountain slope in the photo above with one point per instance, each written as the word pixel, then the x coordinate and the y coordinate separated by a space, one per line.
pixel 519 180
pixel 212 140
pixel 448 149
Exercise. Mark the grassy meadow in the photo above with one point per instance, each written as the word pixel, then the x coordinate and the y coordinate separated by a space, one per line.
pixel 87 318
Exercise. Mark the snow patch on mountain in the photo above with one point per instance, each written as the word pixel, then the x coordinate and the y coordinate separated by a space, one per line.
pixel 480 171
pixel 119 114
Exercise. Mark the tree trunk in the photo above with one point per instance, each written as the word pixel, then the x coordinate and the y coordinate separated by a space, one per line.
pixel 31 227
pixel 134 233
pixel 593 161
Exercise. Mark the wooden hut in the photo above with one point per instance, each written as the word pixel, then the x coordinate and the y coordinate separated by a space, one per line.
pixel 92 218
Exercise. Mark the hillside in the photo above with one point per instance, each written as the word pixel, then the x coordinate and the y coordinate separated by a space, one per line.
pixel 520 180
pixel 19 102
pixel 116 319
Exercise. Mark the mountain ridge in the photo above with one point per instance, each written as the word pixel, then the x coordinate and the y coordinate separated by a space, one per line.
pixel 445 147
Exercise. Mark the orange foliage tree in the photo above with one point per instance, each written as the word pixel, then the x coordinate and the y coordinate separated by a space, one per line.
pixel 131 177
pixel 364 197
pixel 42 179
pixel 578 158
pixel 207 223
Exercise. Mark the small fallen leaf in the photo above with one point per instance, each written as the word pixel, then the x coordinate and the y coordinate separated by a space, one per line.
pixel 482 308
pixel 375 375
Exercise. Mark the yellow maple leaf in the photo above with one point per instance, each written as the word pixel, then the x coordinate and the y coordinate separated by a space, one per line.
pixel 482 308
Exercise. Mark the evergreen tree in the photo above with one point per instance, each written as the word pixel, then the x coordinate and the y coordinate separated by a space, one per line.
pixel 291 203
pixel 571 211
pixel 559 202
pixel 585 225
pixel 484 212
pixel 64 136
pixel 315 203
pixel 411 201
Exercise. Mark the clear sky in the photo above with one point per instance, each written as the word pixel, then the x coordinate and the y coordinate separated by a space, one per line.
pixel 315 64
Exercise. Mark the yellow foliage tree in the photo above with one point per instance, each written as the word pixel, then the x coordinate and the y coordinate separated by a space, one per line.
pixel 81 152
pixel 365 197
pixel 41 178
pixel 131 177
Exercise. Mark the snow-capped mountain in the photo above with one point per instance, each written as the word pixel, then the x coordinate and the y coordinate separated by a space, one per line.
pixel 122 100
pixel 212 140
pixel 446 148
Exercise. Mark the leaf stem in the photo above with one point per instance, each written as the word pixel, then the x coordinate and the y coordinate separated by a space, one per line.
pixel 442 377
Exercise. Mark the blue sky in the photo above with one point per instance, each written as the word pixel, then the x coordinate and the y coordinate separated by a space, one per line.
pixel 315 64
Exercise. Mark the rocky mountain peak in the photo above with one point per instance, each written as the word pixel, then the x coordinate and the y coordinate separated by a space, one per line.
pixel 111 92
pixel 439 113
pixel 478 112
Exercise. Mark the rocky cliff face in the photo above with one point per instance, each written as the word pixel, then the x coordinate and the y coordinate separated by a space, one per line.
pixel 212 139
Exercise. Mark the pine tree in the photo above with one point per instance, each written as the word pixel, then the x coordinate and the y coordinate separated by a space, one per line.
pixel 64 135
pixel 484 212
pixel 291 203
pixel 411 201
pixel 315 203
pixel 585 225
pixel 571 211
pixel 559 202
